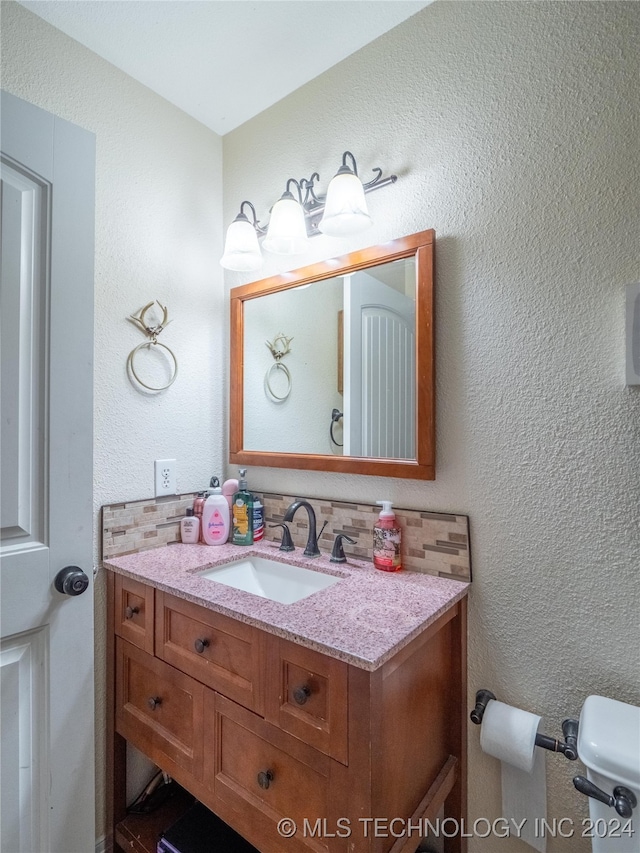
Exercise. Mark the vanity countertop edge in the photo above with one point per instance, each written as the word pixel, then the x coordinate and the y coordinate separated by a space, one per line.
pixel 364 620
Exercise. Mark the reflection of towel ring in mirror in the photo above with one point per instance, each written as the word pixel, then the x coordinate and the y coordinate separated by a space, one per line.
pixel 336 414
pixel 151 343
pixel 277 365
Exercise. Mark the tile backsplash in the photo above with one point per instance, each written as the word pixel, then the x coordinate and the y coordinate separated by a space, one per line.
pixel 435 543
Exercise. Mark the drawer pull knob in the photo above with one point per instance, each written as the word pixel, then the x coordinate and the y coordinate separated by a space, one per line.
pixel 131 611
pixel 200 645
pixel 301 694
pixel 154 702
pixel 265 778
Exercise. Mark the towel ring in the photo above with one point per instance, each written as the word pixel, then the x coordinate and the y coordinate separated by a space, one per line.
pixel 277 365
pixel 336 414
pixel 151 343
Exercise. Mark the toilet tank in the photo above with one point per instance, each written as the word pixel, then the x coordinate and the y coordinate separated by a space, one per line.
pixel 609 747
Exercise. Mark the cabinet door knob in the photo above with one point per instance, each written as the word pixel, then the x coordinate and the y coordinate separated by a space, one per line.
pixel 301 694
pixel 131 611
pixel 200 645
pixel 265 778
pixel 154 702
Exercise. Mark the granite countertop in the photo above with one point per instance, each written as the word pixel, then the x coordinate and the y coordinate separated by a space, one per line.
pixel 364 619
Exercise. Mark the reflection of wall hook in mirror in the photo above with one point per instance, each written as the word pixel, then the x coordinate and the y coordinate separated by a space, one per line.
pixel 335 417
pixel 152 333
pixel 278 347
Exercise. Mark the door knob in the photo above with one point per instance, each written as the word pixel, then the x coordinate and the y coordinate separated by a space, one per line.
pixel 71 581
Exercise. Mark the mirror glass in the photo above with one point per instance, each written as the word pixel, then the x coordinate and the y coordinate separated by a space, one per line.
pixel 332 365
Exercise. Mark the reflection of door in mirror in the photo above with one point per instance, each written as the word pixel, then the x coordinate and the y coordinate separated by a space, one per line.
pixel 379 404
pixel 353 388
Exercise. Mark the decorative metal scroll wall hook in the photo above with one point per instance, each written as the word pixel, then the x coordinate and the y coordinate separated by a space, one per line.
pixel 152 333
pixel 568 747
pixel 278 347
pixel 278 351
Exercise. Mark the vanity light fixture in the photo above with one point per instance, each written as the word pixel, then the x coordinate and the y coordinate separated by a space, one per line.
pixel 345 207
pixel 287 232
pixel 295 218
pixel 241 248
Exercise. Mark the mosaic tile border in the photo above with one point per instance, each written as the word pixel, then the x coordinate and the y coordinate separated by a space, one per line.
pixel 134 526
pixel 435 543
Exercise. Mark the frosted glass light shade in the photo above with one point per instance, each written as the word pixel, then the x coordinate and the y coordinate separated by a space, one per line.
pixel 345 210
pixel 287 232
pixel 241 250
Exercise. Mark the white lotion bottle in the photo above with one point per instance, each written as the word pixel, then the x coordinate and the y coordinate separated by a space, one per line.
pixel 215 518
pixel 190 528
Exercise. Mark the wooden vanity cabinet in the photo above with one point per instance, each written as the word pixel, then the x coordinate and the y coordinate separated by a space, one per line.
pixel 260 728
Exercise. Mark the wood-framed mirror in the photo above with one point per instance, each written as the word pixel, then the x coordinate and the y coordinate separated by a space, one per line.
pixel 332 365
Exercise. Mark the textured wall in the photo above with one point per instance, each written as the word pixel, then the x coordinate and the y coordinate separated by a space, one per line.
pixel 158 236
pixel 514 129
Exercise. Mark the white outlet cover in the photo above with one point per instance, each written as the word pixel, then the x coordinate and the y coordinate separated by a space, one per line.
pixel 165 477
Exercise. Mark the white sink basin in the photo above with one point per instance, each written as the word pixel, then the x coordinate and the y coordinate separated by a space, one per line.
pixel 269 579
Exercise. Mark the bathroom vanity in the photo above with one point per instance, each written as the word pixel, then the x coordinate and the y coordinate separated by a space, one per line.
pixel 310 719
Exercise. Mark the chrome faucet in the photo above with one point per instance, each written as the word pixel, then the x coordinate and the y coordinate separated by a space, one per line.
pixel 312 549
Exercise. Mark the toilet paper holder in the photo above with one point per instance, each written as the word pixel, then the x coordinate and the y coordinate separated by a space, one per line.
pixel 568 747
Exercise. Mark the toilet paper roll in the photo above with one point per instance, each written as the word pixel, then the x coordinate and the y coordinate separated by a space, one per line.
pixel 510 734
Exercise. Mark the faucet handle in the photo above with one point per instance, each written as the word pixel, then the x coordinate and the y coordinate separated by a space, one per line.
pixel 337 555
pixel 286 544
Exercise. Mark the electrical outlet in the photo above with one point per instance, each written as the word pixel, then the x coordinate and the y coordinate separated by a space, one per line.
pixel 165 470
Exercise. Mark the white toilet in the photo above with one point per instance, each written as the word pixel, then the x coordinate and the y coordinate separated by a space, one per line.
pixel 609 746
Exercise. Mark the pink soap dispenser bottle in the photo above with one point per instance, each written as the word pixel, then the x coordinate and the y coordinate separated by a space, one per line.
pixel 387 539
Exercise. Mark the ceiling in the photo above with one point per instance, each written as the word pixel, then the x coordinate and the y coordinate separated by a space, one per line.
pixel 224 61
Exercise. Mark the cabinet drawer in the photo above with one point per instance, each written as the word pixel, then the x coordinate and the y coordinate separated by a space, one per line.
pixel 159 709
pixel 307 696
pixel 255 764
pixel 223 653
pixel 134 612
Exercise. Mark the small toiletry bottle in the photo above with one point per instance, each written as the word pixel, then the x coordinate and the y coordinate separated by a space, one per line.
pixel 242 509
pixel 258 520
pixel 190 528
pixel 386 540
pixel 215 516
pixel 198 504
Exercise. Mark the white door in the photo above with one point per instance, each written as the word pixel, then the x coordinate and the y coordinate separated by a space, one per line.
pixel 46 341
pixel 379 370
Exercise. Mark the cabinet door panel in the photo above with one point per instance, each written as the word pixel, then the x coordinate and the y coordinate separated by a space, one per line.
pixel 134 612
pixel 306 695
pixel 159 709
pixel 223 653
